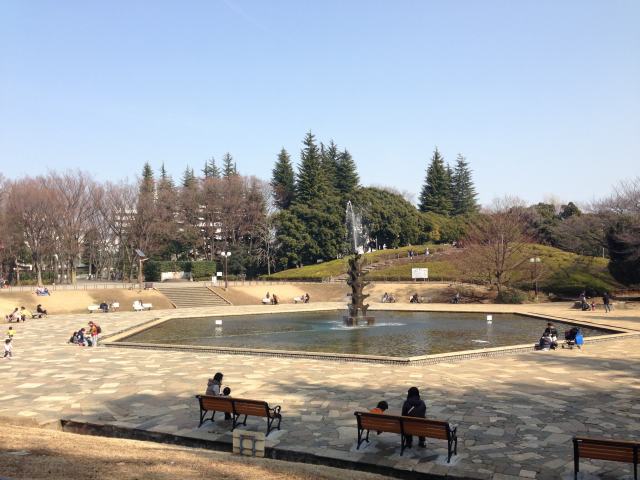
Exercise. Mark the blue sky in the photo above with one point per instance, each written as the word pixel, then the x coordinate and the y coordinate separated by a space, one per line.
pixel 543 97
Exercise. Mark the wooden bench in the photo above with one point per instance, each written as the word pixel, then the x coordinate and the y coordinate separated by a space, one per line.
pixel 605 449
pixel 238 407
pixel 421 427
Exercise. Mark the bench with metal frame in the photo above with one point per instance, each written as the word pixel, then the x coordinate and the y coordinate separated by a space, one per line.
pixel 605 449
pixel 238 407
pixel 403 426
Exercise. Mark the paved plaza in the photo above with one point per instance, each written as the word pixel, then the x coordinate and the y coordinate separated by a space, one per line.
pixel 516 414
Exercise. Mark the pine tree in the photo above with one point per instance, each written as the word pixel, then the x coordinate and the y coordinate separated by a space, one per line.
pixel 435 196
pixel 283 181
pixel 311 182
pixel 330 158
pixel 188 178
pixel 147 184
pixel 210 169
pixel 347 178
pixel 463 192
pixel 228 166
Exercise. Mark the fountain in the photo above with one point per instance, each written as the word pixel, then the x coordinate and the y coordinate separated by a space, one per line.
pixel 357 308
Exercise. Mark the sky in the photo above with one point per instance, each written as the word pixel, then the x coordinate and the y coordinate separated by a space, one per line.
pixel 542 97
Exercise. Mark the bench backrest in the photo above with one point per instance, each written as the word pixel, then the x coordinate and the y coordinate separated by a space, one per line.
pixel 605 449
pixel 407 425
pixel 215 403
pixel 425 428
pixel 379 422
pixel 254 408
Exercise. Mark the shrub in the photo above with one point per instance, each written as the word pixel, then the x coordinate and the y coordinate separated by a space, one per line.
pixel 203 269
pixel 510 295
pixel 199 270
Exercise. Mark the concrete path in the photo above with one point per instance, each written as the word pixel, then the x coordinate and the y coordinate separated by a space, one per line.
pixel 516 414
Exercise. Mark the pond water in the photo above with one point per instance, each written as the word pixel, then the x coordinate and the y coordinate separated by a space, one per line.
pixel 394 334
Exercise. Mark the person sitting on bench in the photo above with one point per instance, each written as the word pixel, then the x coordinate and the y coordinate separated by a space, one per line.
pixel 546 342
pixel 414 406
pixel 414 298
pixel 552 332
pixel 104 306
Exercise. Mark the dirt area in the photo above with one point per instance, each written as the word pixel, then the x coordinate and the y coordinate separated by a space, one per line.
pixel 77 301
pixel 253 294
pixel 36 453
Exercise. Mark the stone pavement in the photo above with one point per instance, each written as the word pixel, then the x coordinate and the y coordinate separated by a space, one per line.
pixel 516 414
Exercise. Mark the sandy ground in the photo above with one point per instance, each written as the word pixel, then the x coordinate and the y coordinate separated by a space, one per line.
pixel 36 453
pixel 77 301
pixel 318 292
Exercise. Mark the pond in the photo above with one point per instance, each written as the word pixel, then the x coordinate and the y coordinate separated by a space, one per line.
pixel 394 334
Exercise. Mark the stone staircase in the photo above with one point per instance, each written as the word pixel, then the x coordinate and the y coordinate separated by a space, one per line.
pixel 191 296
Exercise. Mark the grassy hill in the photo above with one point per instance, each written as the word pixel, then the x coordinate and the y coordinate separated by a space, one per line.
pixel 560 272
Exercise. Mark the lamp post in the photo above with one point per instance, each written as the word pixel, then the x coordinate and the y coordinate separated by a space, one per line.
pixel 226 256
pixel 535 261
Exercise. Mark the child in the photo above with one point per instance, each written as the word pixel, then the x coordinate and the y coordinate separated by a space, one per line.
pixel 11 332
pixel 225 393
pixel 380 408
pixel 8 348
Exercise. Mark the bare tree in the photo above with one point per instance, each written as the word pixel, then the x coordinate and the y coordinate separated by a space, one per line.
pixel 28 209
pixel 116 205
pixel 495 247
pixel 73 211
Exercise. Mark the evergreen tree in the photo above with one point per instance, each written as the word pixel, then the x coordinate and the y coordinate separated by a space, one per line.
pixel 188 178
pixel 463 192
pixel 283 181
pixel 210 169
pixel 147 185
pixel 311 182
pixel 330 158
pixel 436 196
pixel 347 178
pixel 228 166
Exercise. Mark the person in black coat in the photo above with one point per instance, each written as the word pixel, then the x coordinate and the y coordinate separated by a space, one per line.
pixel 414 406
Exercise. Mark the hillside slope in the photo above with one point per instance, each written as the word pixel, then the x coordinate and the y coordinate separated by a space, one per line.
pixel 559 272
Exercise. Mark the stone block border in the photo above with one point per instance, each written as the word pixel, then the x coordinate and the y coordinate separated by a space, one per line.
pixel 112 341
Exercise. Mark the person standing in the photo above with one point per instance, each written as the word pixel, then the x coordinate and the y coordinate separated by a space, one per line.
pixel 414 406
pixel 94 330
pixel 8 349
pixel 11 332
pixel 606 300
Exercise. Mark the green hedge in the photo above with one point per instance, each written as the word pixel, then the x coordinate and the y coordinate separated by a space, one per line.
pixel 204 269
pixel 199 270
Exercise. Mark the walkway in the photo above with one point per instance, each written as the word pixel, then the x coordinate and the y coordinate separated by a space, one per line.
pixel 516 414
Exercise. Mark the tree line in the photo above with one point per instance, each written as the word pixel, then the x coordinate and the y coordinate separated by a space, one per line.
pixel 61 222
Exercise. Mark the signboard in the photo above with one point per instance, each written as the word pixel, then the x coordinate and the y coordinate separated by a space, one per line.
pixel 219 274
pixel 419 273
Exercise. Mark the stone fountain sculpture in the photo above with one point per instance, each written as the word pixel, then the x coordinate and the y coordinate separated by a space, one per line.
pixel 357 307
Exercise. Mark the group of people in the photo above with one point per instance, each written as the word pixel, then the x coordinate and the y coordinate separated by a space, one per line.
pixel 585 305
pixel 23 313
pixel 388 298
pixel 301 299
pixel 42 291
pixel 413 406
pixel 87 337
pixel 270 299
pixel 549 339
